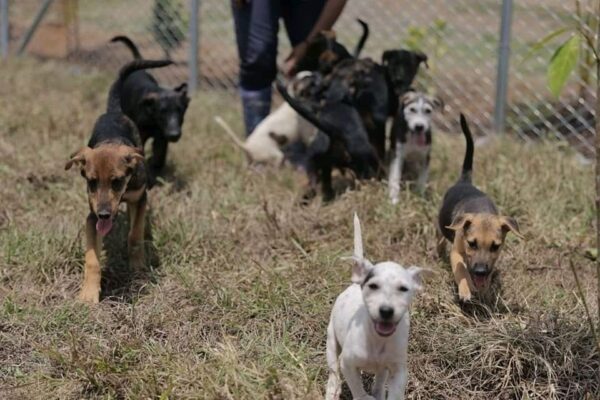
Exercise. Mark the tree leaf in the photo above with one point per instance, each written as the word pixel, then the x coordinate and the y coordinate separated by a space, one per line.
pixel 537 46
pixel 562 63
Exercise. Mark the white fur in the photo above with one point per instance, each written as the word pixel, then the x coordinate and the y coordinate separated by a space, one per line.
pixel 353 344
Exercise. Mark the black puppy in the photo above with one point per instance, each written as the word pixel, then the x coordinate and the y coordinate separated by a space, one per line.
pixel 342 141
pixel 324 51
pixel 158 112
pixel 401 67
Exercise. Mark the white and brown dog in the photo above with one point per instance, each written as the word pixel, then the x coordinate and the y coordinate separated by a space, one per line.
pixel 280 128
pixel 411 136
pixel 369 326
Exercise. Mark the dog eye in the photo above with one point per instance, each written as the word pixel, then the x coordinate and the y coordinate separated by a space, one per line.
pixel 412 110
pixel 403 289
pixel 428 111
pixel 494 247
pixel 472 244
pixel 373 286
pixel 117 184
pixel 93 185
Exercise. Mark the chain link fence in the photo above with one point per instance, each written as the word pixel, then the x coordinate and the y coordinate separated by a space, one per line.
pixel 461 38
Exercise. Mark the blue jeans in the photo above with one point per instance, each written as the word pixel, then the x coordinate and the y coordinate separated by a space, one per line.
pixel 256 27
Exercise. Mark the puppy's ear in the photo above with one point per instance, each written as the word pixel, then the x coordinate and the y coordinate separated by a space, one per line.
pixel 182 88
pixel 462 221
pixel 421 58
pixel 510 224
pixel 408 96
pixel 79 158
pixel 385 58
pixel 134 157
pixel 360 269
pixel 416 274
pixel 438 103
pixel 149 100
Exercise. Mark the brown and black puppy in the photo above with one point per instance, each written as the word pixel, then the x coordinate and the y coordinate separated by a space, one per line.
pixel 469 219
pixel 113 165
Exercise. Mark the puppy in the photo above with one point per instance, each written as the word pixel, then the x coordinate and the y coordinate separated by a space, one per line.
pixel 369 326
pixel 280 128
pixel 113 165
pixel 469 219
pixel 411 134
pixel 401 68
pixel 158 112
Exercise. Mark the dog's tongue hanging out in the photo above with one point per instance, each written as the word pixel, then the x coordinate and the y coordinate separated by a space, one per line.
pixel 479 281
pixel 103 226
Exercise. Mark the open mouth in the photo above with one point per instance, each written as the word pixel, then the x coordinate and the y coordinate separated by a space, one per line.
pixel 480 281
pixel 103 226
pixel 419 138
pixel 384 328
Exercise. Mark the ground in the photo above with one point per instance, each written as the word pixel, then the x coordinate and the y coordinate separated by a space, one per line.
pixel 237 296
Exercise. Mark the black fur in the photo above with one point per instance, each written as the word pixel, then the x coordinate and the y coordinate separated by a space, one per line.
pixel 463 197
pixel 158 112
pixel 401 68
pixel 342 141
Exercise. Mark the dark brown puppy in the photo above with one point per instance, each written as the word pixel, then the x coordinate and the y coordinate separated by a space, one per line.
pixel 113 165
pixel 469 219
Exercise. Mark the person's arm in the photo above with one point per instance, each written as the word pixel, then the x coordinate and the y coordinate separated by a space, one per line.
pixel 330 13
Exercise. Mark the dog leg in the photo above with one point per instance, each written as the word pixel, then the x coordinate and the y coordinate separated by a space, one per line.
pixel 440 243
pixel 354 381
pixel 90 289
pixel 379 384
pixel 326 186
pixel 159 156
pixel 422 179
pixel 461 275
pixel 334 384
pixel 135 239
pixel 395 174
pixel 398 380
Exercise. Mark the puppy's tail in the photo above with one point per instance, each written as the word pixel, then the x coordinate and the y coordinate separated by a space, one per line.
pixel 130 45
pixel 114 96
pixel 468 161
pixel 363 38
pixel 231 133
pixel 358 243
pixel 305 111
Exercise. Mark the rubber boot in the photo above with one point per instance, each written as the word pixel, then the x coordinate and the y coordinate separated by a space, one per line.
pixel 256 106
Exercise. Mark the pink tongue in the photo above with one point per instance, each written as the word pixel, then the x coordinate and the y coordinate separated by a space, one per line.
pixel 385 328
pixel 103 226
pixel 479 281
pixel 421 139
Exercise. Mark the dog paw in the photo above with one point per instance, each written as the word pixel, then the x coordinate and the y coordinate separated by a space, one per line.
pixel 89 295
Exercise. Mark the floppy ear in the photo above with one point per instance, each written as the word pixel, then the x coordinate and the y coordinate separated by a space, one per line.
pixel 385 58
pixel 78 158
pixel 360 269
pixel 421 58
pixel 462 221
pixel 438 103
pixel 510 224
pixel 149 100
pixel 134 157
pixel 416 274
pixel 407 97
pixel 181 88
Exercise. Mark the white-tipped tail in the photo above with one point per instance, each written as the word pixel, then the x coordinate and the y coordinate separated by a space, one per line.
pixel 230 132
pixel 358 244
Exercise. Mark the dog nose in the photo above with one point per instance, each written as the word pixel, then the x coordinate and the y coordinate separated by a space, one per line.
pixel 104 214
pixel 419 127
pixel 386 312
pixel 480 269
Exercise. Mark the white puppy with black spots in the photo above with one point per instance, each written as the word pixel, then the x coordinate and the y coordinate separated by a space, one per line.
pixel 411 133
pixel 280 128
pixel 369 325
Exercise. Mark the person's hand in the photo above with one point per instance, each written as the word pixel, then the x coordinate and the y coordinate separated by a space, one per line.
pixel 297 53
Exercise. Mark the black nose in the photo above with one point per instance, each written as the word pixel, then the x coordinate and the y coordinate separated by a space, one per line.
pixel 481 269
pixel 386 312
pixel 104 214
pixel 419 127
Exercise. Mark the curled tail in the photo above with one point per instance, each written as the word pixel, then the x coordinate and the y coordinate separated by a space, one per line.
pixel 468 161
pixel 363 38
pixel 305 111
pixel 114 96
pixel 130 45
pixel 358 243
pixel 230 133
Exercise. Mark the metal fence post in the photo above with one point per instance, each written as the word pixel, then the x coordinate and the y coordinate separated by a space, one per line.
pixel 503 65
pixel 4 31
pixel 34 25
pixel 193 52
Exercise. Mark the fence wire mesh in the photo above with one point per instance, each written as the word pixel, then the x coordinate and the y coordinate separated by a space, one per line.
pixel 460 37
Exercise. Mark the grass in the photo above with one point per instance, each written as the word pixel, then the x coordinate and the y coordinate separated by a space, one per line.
pixel 241 279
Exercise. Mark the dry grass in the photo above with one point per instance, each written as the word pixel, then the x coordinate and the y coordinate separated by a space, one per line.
pixel 236 301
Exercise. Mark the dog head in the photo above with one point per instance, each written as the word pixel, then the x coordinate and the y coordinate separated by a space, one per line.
pixel 166 109
pixel 305 85
pixel 107 170
pixel 417 109
pixel 480 238
pixel 322 53
pixel 401 67
pixel 387 288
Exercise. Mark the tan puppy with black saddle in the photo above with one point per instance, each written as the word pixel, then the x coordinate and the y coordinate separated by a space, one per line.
pixel 470 220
